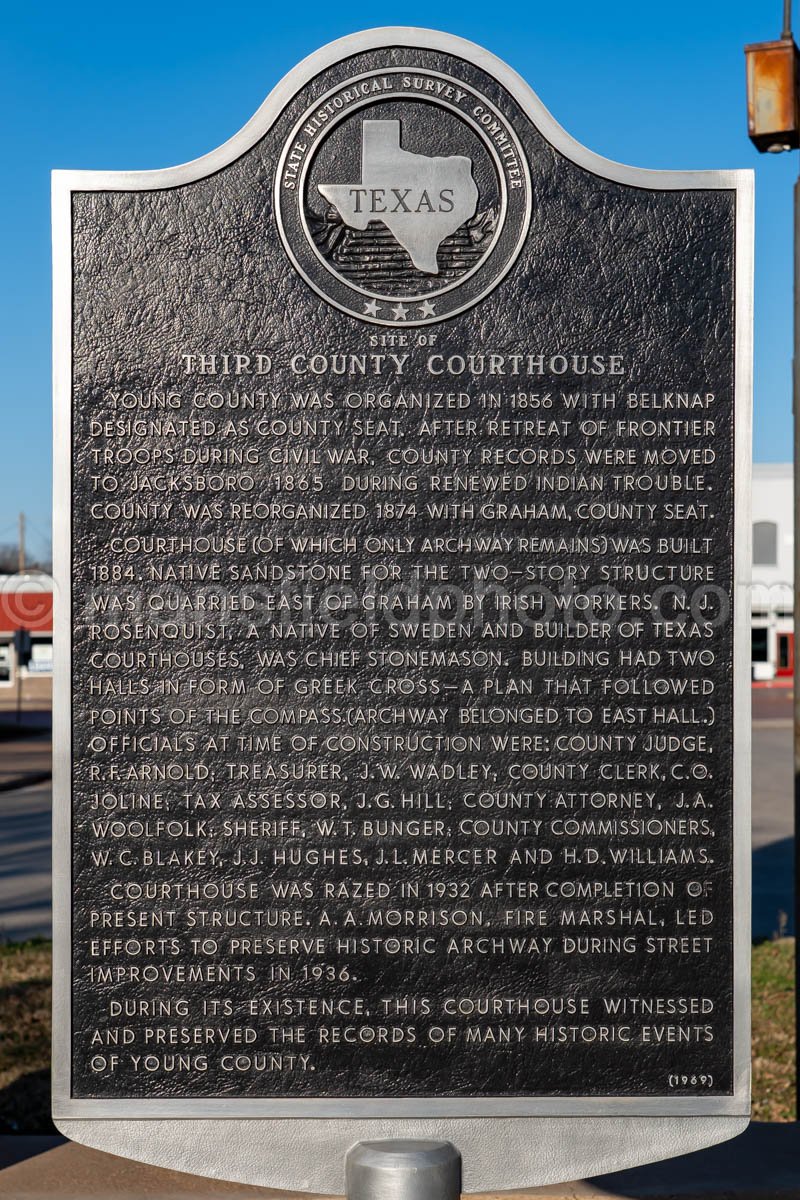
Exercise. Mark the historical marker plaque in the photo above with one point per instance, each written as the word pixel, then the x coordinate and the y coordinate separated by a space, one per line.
pixel 403 441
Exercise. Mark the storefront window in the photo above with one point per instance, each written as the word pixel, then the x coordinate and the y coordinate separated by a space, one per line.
pixel 759 644
pixel 765 544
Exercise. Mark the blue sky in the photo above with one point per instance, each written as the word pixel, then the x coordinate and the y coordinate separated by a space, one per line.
pixel 96 85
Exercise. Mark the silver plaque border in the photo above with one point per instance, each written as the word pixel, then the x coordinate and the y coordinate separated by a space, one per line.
pixel 530 1146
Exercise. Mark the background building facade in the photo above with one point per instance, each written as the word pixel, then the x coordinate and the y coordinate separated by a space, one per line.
pixel 773 571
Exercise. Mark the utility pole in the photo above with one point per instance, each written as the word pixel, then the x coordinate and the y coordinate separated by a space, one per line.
pixel 19 691
pixel 21 544
pixel 773 120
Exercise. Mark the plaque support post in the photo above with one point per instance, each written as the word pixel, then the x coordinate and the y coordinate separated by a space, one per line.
pixel 403 1169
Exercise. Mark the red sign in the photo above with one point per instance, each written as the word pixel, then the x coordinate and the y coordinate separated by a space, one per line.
pixel 26 610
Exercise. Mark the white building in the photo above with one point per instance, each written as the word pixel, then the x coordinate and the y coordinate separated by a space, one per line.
pixel 773 571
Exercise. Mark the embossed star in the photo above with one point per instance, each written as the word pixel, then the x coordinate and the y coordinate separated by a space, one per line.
pixel 400 312
pixel 371 308
pixel 427 309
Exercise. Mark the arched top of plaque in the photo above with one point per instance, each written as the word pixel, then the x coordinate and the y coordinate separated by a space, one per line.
pixel 404 187
pixel 388 38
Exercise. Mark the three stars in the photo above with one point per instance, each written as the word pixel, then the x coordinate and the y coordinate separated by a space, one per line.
pixel 400 311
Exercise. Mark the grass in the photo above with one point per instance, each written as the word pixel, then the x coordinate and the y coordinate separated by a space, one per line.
pixel 773 1031
pixel 25 1038
pixel 25 1035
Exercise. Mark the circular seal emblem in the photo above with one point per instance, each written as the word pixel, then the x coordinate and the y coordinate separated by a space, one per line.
pixel 403 196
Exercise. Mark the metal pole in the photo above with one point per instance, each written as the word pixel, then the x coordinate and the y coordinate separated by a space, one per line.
pixel 787 19
pixel 21 546
pixel 403 1169
pixel 19 689
pixel 796 680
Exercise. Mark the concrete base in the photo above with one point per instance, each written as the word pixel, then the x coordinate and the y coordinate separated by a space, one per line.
pixel 762 1164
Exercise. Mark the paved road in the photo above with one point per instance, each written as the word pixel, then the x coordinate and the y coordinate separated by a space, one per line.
pixel 772 703
pixel 25 843
pixel 24 760
pixel 773 842
pixel 25 863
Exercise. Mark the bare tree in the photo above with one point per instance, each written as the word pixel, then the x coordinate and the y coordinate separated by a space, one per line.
pixel 9 560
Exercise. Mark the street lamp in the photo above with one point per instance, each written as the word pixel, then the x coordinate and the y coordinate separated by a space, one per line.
pixel 773 123
pixel 772 91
